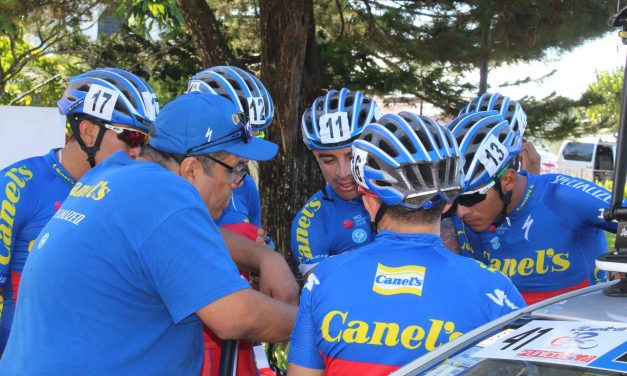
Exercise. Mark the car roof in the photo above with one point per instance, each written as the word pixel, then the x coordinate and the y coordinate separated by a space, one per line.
pixel 588 304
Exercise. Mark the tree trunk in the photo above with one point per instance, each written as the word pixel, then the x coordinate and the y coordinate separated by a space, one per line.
pixel 208 39
pixel 486 48
pixel 290 70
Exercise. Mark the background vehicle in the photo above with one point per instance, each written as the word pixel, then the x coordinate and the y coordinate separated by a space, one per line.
pixel 590 158
pixel 548 162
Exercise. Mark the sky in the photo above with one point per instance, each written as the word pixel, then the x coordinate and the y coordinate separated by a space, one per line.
pixel 575 70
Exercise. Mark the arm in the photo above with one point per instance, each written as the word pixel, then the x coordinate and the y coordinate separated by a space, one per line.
pixel 293 369
pixel 276 278
pixel 529 158
pixel 449 235
pixel 249 314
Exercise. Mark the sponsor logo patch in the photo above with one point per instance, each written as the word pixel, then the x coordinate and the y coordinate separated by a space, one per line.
pixel 407 279
pixel 359 235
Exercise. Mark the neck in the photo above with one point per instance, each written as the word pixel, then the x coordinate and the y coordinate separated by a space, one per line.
pixel 393 225
pixel 74 160
pixel 170 165
pixel 517 194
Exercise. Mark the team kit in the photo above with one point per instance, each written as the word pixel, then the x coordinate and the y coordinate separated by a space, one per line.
pixel 139 246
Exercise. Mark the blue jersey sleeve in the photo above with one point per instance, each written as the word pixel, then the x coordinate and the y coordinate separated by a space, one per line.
pixel 310 239
pixel 176 260
pixel 303 348
pixel 501 296
pixel 582 200
pixel 14 213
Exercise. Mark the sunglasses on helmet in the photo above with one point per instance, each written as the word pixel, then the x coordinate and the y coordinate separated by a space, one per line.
pixel 243 131
pixel 131 137
pixel 472 198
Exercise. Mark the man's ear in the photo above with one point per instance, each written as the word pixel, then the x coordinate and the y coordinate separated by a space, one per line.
pixel 190 169
pixel 88 132
pixel 372 205
pixel 508 179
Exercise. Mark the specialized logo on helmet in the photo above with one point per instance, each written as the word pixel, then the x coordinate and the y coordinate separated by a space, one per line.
pixel 407 279
pixel 360 235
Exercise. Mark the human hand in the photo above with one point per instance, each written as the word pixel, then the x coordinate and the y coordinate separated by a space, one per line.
pixel 530 159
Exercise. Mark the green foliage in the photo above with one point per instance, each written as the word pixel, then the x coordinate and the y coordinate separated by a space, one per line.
pixel 602 102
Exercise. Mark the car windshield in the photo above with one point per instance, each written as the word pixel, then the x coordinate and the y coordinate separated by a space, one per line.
pixel 578 151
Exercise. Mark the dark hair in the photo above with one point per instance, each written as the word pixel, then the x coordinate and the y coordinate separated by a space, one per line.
pixel 163 158
pixel 417 216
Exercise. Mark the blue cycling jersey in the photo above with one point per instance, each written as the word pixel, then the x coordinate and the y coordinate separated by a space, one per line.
pixel 31 191
pixel 328 226
pixel 552 239
pixel 402 304
pixel 245 205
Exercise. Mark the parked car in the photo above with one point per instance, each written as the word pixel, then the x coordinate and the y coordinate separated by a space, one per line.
pixel 591 158
pixel 583 332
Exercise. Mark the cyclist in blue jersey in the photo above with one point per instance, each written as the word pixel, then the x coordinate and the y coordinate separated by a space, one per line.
pixel 402 304
pixel 243 215
pixel 334 219
pixel 544 231
pixel 118 283
pixel 108 109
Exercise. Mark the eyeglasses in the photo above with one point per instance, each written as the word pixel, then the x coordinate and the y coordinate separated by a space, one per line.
pixel 131 137
pixel 243 131
pixel 472 198
pixel 238 173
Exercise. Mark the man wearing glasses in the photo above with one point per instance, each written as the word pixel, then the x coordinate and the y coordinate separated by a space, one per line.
pixel 137 268
pixel 108 110
pixel 543 231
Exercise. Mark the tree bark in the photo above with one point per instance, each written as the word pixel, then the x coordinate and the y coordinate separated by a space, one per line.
pixel 291 71
pixel 486 50
pixel 208 39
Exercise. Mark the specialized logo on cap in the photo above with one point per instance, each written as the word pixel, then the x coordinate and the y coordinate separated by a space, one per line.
pixel 359 235
pixel 43 240
pixel 407 279
pixel 208 134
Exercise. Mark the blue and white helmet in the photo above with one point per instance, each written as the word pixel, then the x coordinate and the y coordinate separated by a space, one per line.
pixel 112 95
pixel 336 119
pixel 488 144
pixel 508 108
pixel 244 89
pixel 408 160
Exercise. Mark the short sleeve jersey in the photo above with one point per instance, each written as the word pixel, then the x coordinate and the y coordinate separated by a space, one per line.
pixel 373 310
pixel 328 226
pixel 553 236
pixel 245 205
pixel 31 191
pixel 114 279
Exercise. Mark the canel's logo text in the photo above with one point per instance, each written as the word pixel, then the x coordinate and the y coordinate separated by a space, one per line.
pixel 407 279
pixel 14 181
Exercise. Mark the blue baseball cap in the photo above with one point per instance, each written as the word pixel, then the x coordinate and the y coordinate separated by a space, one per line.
pixel 197 123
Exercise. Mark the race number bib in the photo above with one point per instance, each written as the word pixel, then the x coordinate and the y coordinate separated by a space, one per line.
pixel 357 165
pixel 152 106
pixel 334 128
pixel 491 154
pixel 100 102
pixel 256 111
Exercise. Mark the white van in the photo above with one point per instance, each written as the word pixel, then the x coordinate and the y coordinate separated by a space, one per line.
pixel 590 158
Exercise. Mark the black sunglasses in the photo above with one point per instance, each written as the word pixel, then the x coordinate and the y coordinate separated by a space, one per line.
pixel 238 172
pixel 243 131
pixel 472 198
pixel 131 137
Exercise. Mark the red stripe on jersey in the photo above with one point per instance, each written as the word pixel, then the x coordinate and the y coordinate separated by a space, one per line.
pixel 537 296
pixel 15 284
pixel 340 367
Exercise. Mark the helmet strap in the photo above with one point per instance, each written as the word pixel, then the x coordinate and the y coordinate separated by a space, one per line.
pixel 91 150
pixel 374 225
pixel 506 198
